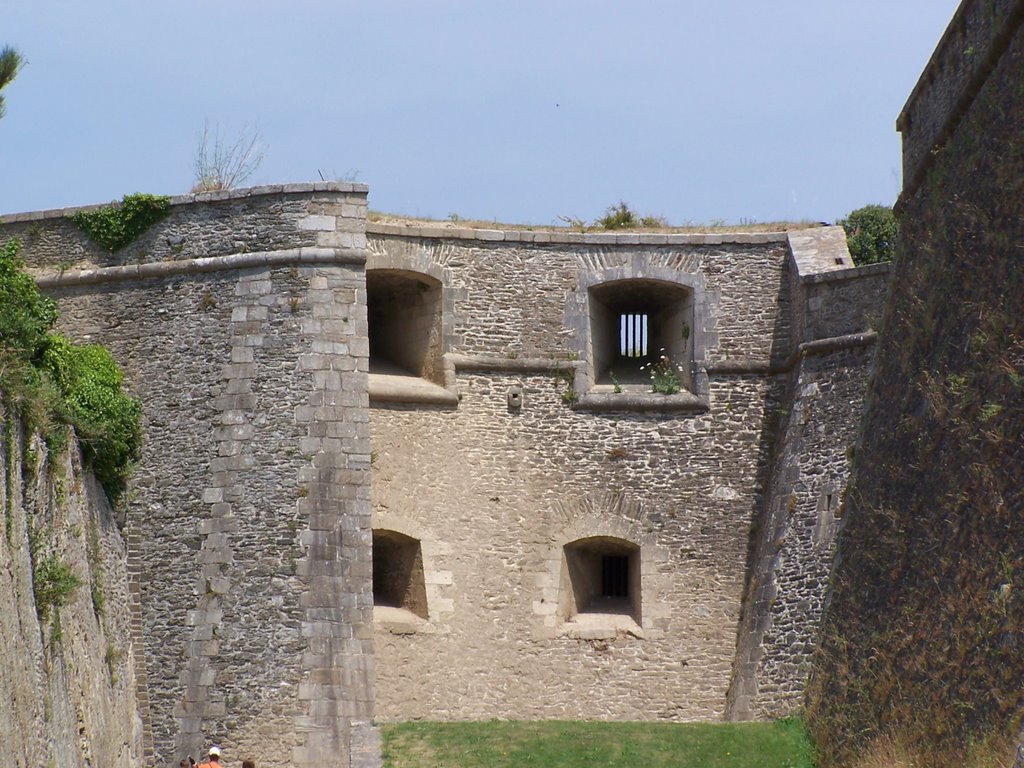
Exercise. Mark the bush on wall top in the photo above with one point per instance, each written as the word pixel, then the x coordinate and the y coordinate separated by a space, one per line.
pixel 115 226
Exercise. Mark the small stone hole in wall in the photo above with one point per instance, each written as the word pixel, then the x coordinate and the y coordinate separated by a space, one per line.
pixel 825 526
pixel 515 398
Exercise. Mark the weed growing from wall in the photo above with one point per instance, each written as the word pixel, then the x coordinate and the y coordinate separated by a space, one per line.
pixel 664 375
pixel 26 316
pixel 94 553
pixel 621 216
pixel 115 226
pixel 54 584
pixel 219 165
pixel 8 479
pixel 106 420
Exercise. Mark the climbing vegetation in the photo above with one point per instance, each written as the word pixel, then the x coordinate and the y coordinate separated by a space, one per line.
pixel 105 419
pixel 54 583
pixel 52 382
pixel 115 226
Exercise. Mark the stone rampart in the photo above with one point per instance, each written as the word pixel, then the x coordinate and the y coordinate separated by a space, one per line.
pixel 921 641
pixel 812 442
pixel 238 324
pixel 543 536
pixel 534 451
pixel 973 43
pixel 68 672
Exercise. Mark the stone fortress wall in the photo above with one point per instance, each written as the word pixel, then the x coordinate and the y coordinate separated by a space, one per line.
pixel 337 409
pixel 496 483
pixel 69 673
pixel 238 324
pixel 921 640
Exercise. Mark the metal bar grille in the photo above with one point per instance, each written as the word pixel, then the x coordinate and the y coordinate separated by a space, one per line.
pixel 633 335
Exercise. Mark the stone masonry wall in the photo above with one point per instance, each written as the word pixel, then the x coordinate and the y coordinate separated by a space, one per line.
pixel 921 638
pixel 813 444
pixel 493 491
pixel 68 678
pixel 794 554
pixel 963 59
pixel 239 323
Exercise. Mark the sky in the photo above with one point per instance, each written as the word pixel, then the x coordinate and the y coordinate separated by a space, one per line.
pixel 518 111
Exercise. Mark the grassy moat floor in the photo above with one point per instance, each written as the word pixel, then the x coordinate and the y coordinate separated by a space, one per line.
pixel 572 744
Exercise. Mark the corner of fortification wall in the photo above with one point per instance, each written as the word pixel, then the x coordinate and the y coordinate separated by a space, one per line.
pixel 239 322
pixel 837 309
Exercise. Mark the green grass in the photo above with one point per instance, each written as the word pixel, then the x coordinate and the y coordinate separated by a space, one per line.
pixel 550 743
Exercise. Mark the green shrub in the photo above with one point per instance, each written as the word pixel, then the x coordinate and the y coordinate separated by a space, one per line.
pixel 871 234
pixel 106 420
pixel 26 316
pixel 51 382
pixel 54 583
pixel 619 216
pixel 115 226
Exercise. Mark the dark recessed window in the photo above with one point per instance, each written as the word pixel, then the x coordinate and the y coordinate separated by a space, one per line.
pixel 398 572
pixel 614 576
pixel 602 576
pixel 403 311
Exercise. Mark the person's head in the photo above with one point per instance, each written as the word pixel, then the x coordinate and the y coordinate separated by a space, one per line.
pixel 183 764
pixel 248 764
pixel 215 754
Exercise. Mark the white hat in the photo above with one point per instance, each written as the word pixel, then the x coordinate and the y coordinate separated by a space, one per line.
pixel 214 751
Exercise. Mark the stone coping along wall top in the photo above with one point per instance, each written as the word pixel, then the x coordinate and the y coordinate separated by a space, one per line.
pixel 439 230
pixel 202 197
pixel 816 251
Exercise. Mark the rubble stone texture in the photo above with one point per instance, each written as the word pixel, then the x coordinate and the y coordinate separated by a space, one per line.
pixel 275 445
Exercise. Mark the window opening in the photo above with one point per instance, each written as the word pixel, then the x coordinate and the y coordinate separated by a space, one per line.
pixel 403 312
pixel 633 335
pixel 614 576
pixel 602 576
pixel 633 323
pixel 398 572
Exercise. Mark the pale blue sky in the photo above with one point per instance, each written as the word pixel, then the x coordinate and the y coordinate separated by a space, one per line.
pixel 518 110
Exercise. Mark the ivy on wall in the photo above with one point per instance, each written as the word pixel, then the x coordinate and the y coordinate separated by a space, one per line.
pixel 115 226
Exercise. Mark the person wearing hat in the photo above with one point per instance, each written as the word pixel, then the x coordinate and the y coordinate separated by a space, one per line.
pixel 214 759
